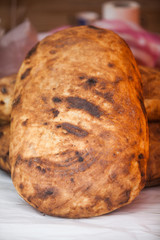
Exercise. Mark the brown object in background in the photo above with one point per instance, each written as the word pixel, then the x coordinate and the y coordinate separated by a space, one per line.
pixel 4 147
pixel 151 92
pixel 47 15
pixel 79 128
pixel 6 93
pixel 153 167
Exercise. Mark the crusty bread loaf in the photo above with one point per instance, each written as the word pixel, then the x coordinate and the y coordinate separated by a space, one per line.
pixel 79 134
pixel 4 147
pixel 153 167
pixel 6 94
pixel 151 91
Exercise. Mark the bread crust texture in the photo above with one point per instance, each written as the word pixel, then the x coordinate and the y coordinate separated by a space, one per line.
pixel 79 133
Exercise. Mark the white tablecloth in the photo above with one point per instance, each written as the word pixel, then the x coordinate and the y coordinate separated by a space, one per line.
pixel 19 221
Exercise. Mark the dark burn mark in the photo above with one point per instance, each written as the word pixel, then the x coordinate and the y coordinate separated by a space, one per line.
pixel 24 123
pixel 2 102
pixel 55 112
pixel 1 134
pixel 82 77
pixel 109 97
pixel 26 73
pixel 43 170
pixel 111 65
pixel 4 90
pixel 32 51
pixel 58 126
pixel 16 101
pixel 49 192
pixel 141 156
pixel 80 159
pixel 56 100
pixel 79 103
pixel 125 196
pixel 118 79
pixel 72 179
pixel 21 186
pixel 109 203
pixel 18 160
pixel 70 128
pixel 44 193
pixel 91 82
pixel 45 123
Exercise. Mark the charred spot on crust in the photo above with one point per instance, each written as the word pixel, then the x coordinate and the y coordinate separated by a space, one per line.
pixel 109 97
pixel 49 192
pixel 21 186
pixel 80 159
pixel 16 101
pixel 32 51
pixel 2 102
pixel 55 112
pixel 109 203
pixel 43 170
pixel 125 196
pixel 26 73
pixel 72 179
pixel 18 160
pixel 45 123
pixel 91 82
pixel 118 79
pixel 44 193
pixel 24 123
pixel 72 129
pixel 111 65
pixel 58 126
pixel 141 156
pixel 82 77
pixel 4 90
pixel 56 99
pixel 79 103
pixel 1 134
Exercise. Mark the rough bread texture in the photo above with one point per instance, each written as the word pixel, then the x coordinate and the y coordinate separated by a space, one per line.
pixel 4 148
pixel 151 91
pixel 6 93
pixel 79 135
pixel 153 167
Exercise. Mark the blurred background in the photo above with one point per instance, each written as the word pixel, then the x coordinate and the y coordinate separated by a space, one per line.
pixel 49 14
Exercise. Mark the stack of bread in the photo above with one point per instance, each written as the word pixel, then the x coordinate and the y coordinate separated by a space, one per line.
pixel 78 143
pixel 151 92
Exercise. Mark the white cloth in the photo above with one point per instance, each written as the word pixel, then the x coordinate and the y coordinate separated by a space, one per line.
pixel 140 220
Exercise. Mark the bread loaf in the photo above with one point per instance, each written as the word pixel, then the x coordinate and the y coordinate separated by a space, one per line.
pixel 6 93
pixel 151 91
pixel 79 134
pixel 4 147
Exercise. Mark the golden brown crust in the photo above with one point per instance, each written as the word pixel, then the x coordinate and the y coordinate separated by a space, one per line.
pixel 153 166
pixel 6 93
pixel 79 135
pixel 151 91
pixel 4 148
